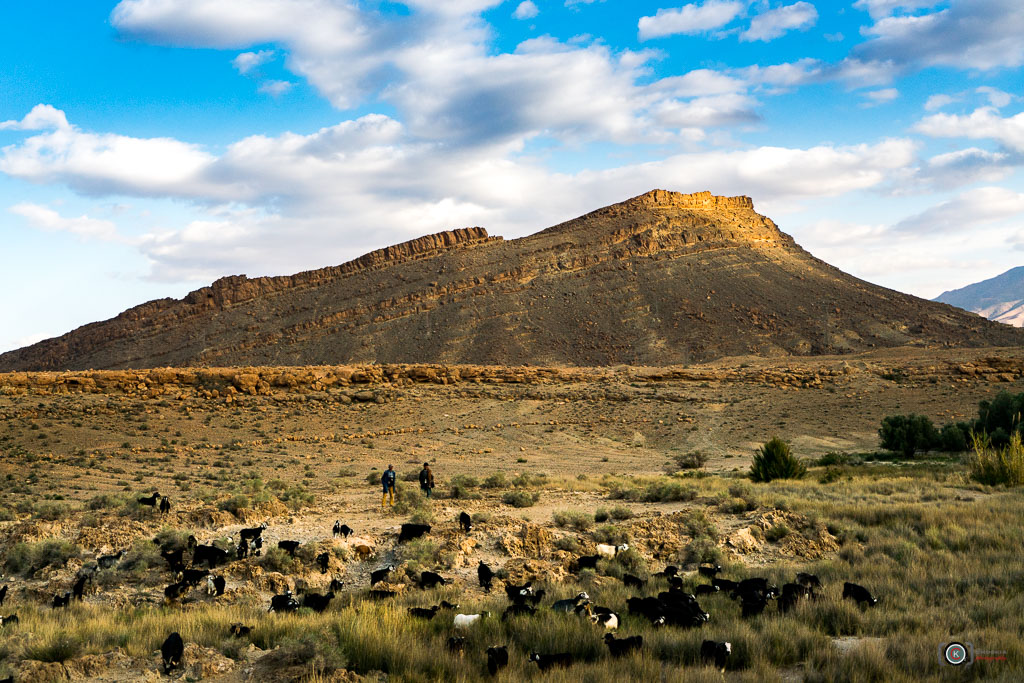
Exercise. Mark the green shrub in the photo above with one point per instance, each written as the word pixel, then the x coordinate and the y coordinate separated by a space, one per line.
pixel 830 475
pixel 954 437
pixel 276 560
pixel 1000 417
pixel 573 519
pixel 568 543
pixel 907 434
pixel 611 534
pixel 777 532
pixel 694 460
pixel 774 460
pixel 520 499
pixel 296 497
pixel 50 510
pixel 60 648
pixel 993 465
pixel 600 515
pixel 663 490
pixel 620 512
pixel 373 478
pixel 105 501
pixel 28 558
pixel 495 481
pixel 462 487
pixel 237 502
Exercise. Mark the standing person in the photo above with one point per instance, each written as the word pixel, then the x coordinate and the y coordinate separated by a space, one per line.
pixel 388 481
pixel 426 479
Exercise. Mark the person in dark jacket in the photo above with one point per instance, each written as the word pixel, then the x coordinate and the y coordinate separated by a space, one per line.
pixel 426 479
pixel 387 480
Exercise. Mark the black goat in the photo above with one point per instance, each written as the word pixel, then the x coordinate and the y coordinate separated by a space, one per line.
pixel 569 604
pixel 859 594
pixel 518 609
pixel 710 572
pixel 424 612
pixel 457 644
pixel 447 605
pixel 174 559
pixel 176 590
pixel 251 533
pixel 430 579
pixel 3 594
pixel 172 651
pixel 324 560
pixel 412 531
pixel 289 547
pixel 336 585
pixel 108 561
pixel 587 562
pixel 150 500
pixel 622 646
pixel 545 662
pixel 381 594
pixel 192 577
pixel 711 651
pixel 513 592
pixel 630 581
pixel 484 574
pixel 61 600
pixel 497 659
pixel 724 584
pixel 165 505
pixel 9 620
pixel 465 522
pixel 285 602
pixel 209 554
pixel 316 602
pixel 215 585
pixel 705 589
pixel 378 575
pixel 343 530
pixel 79 588
pixel 670 570
pixel 239 630
pixel 791 595
pixel 808 580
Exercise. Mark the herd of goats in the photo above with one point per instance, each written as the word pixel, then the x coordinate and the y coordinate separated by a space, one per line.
pixel 672 607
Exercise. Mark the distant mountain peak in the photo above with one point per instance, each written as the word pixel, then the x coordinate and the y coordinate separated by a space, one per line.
pixel 1000 298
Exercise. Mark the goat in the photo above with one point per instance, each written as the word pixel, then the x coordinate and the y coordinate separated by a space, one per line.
pixel 717 652
pixel 545 662
pixel 9 620
pixel 724 584
pixel 172 651
pixel 192 577
pixel 447 605
pixel 343 530
pixel 210 554
pixel 424 612
pixel 239 630
pixel 324 560
pixel 289 547
pixel 630 581
pixel 381 594
pixel 215 585
pixel 704 589
pixel 362 551
pixel 378 575
pixel 430 579
pixel 791 594
pixel 174 559
pixel 756 584
pixel 108 561
pixel 670 570
pixel 610 551
pixel 457 644
pixel 412 531
pixel 808 580
pixel 61 600
pixel 465 522
pixel 251 533
pixel 484 574
pixel 518 609
pixel 569 604
pixel 710 572
pixel 497 659
pixel 175 591
pixel 150 500
pixel 606 618
pixel 532 598
pixel 467 620
pixel 285 602
pixel 618 647
pixel 513 592
pixel 587 562
pixel 316 602
pixel 336 585
pixel 858 594
pixel 3 594
pixel 79 587
pixel 165 505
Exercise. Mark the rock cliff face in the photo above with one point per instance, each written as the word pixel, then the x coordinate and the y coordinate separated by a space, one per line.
pixel 663 278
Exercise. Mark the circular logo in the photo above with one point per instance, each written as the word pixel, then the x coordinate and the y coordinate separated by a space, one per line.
pixel 955 654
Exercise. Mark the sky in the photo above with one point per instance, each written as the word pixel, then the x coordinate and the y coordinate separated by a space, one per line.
pixel 149 147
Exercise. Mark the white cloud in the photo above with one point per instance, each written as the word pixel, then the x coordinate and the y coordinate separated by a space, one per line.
pixel 968 210
pixel 969 34
pixel 274 88
pixel 42 117
pixel 770 25
pixel 964 167
pixel 47 219
pixel 883 8
pixel 938 102
pixel 689 19
pixel 526 10
pixel 788 75
pixel 247 61
pixel 983 123
pixel 876 97
pixel 997 98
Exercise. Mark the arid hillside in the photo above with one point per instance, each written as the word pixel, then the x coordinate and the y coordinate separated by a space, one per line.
pixel 660 279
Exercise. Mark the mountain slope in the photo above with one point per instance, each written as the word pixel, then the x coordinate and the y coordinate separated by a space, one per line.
pixel 1000 298
pixel 659 279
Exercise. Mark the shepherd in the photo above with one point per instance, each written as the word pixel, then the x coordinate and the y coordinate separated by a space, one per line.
pixel 426 480
pixel 387 480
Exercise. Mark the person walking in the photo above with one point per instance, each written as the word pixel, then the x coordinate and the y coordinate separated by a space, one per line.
pixel 426 479
pixel 387 480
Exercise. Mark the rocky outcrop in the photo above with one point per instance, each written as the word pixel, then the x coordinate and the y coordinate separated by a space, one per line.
pixel 661 279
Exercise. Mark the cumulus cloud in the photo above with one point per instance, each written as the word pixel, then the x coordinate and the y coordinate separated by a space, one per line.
pixel 689 19
pixel 247 61
pixel 876 97
pixel 47 219
pixel 997 98
pixel 769 25
pixel 964 167
pixel 42 117
pixel 938 102
pixel 960 214
pixel 275 88
pixel 981 124
pixel 969 34
pixel 526 10
pixel 883 8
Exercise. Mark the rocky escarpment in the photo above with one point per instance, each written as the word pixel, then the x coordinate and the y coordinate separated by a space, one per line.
pixel 663 278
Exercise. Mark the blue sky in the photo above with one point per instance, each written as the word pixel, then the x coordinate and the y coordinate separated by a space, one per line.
pixel 148 147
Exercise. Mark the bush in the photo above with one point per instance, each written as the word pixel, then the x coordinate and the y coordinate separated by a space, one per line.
pixel 1000 417
pixel 276 560
pixel 621 512
pixel 568 543
pixel 373 478
pixel 60 649
pixel 774 460
pixel 610 534
pixel 574 519
pixel 954 437
pixel 661 491
pixel 462 487
pixel 495 481
pixel 50 510
pixel 28 558
pixel 237 502
pixel 993 465
pixel 105 501
pixel 694 460
pixel 600 515
pixel 777 532
pixel 520 499
pixel 908 433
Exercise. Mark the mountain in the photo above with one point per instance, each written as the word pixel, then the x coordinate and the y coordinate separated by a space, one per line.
pixel 660 279
pixel 1000 298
